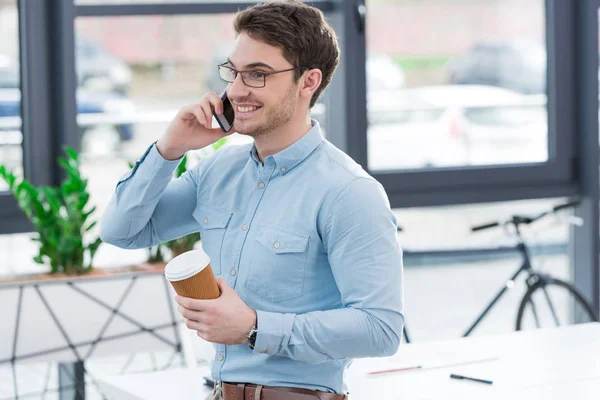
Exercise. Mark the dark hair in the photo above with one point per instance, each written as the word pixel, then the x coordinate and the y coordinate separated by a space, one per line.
pixel 299 30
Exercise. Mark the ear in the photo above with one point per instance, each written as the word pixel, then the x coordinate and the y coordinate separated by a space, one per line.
pixel 309 82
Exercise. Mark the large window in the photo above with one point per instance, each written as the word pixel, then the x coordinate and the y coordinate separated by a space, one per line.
pixel 11 153
pixel 86 2
pixel 466 99
pixel 133 74
pixel 466 88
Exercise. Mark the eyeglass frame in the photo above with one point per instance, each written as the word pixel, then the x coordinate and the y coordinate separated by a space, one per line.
pixel 224 65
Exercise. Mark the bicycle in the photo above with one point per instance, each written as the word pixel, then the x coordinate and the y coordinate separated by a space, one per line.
pixel 564 301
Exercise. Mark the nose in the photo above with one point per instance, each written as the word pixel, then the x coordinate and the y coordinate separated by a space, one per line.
pixel 237 89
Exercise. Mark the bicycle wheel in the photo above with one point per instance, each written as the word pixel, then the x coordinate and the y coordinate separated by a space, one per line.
pixel 551 302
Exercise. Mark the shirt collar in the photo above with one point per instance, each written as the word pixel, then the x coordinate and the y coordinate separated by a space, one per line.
pixel 295 153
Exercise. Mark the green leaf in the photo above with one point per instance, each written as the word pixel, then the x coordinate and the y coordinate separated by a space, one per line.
pixel 64 163
pixel 219 143
pixel 91 226
pixel 71 153
pixel 182 167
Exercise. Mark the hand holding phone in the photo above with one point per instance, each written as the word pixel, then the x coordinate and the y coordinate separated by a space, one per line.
pixel 192 128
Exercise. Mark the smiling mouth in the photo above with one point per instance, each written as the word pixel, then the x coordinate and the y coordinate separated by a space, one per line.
pixel 246 111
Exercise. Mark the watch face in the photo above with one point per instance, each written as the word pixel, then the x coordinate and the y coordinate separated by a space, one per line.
pixel 252 338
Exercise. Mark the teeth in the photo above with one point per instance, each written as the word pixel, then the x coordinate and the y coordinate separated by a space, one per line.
pixel 246 109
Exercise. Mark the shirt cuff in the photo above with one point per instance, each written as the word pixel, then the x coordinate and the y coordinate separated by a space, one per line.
pixel 274 331
pixel 159 165
pixel 152 164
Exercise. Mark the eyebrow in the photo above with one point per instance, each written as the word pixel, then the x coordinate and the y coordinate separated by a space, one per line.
pixel 253 65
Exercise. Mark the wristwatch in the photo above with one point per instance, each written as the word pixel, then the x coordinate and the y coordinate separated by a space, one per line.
pixel 252 336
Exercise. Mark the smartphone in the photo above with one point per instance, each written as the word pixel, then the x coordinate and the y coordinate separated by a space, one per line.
pixel 226 120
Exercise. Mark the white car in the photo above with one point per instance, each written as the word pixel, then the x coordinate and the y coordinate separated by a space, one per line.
pixel 454 126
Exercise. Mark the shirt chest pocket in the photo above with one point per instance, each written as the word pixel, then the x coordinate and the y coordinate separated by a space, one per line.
pixel 213 226
pixel 278 264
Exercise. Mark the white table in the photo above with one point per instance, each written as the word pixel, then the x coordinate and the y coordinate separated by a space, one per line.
pixel 546 364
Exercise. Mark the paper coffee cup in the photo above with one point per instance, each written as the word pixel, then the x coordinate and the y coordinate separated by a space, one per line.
pixel 191 276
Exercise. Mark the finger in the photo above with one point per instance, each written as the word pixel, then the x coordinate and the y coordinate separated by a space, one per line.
pixel 216 102
pixel 203 335
pixel 193 112
pixel 223 285
pixel 207 112
pixel 197 306
pixel 187 112
pixel 195 325
pixel 201 116
pixel 190 304
pixel 189 314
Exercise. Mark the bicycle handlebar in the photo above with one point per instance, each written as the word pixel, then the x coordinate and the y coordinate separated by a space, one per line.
pixel 520 220
pixel 566 205
pixel 484 226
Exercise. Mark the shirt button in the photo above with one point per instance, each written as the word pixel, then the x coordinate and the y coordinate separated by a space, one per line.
pixel 244 227
pixel 261 185
pixel 232 272
pixel 220 357
pixel 263 351
pixel 277 245
pixel 206 220
pixel 283 169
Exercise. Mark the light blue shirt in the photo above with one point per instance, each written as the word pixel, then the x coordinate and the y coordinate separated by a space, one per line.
pixel 307 239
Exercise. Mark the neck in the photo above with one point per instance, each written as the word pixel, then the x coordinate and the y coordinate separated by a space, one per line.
pixel 285 135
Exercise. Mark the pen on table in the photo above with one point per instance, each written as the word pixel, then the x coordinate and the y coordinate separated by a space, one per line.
pixel 434 366
pixel 394 370
pixel 209 382
pixel 454 376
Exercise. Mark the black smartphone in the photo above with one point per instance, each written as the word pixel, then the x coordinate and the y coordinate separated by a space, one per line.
pixel 226 120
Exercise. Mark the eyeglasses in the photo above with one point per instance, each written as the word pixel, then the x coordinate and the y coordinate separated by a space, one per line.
pixel 255 79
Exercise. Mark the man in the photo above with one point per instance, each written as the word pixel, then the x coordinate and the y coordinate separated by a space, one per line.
pixel 301 238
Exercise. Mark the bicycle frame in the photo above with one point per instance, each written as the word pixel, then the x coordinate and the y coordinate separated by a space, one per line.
pixel 525 266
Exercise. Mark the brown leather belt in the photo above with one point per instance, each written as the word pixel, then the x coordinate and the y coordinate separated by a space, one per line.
pixel 247 391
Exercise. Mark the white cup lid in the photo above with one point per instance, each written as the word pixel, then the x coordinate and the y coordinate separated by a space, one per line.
pixel 187 264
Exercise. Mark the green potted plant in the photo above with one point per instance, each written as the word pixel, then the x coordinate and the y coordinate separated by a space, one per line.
pixel 60 217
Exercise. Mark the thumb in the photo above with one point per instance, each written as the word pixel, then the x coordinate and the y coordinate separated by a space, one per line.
pixel 223 285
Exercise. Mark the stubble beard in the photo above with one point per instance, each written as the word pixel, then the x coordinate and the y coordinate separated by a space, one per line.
pixel 273 118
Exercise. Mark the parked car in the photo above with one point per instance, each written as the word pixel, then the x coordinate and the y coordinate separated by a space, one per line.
pixel 459 125
pixel 515 64
pixel 96 69
pixel 99 70
pixel 9 72
pixel 103 81
pixel 87 103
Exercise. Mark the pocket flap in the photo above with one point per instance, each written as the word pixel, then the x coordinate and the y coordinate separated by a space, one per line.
pixel 211 217
pixel 280 241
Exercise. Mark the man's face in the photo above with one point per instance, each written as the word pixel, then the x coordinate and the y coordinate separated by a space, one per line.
pixel 259 111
